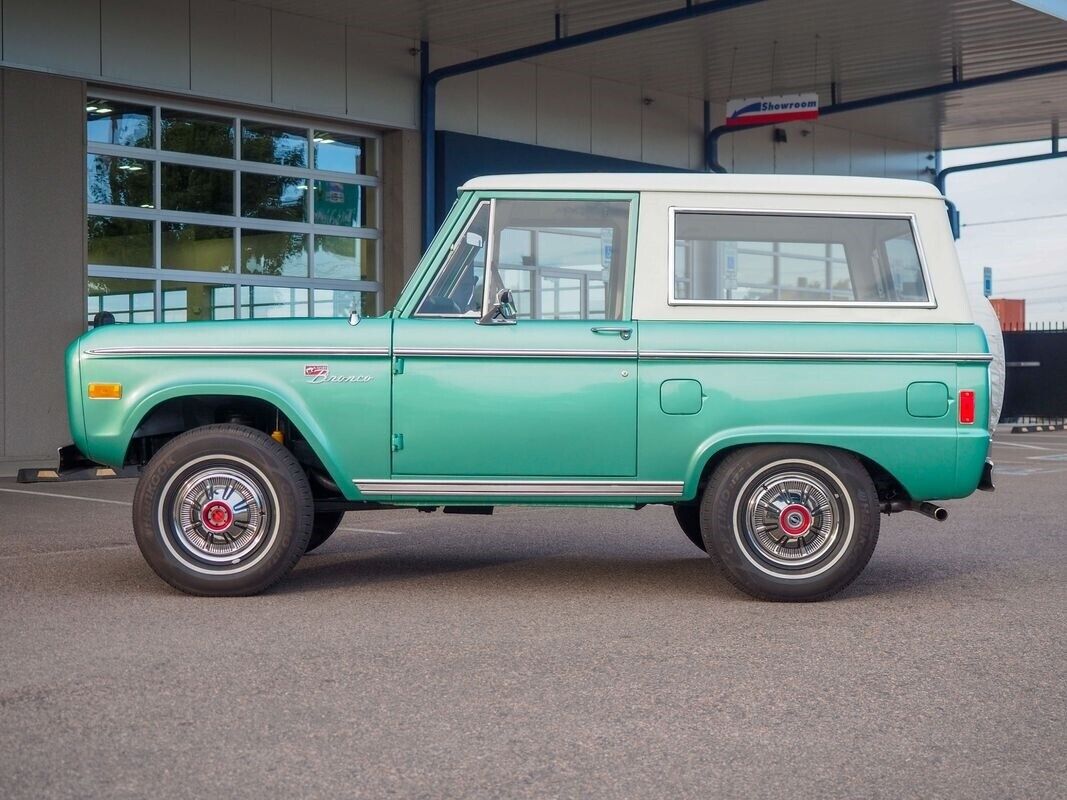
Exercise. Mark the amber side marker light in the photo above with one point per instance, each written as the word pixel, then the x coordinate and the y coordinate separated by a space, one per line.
pixel 967 408
pixel 105 391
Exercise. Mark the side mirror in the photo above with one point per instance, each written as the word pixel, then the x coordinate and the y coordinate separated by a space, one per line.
pixel 502 312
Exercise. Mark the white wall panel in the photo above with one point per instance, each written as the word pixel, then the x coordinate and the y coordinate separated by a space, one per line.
pixel 868 155
pixel 753 151
pixel 616 119
pixel 308 64
pixel 230 50
pixel 457 98
pixel 833 155
pixel 900 160
pixel 507 103
pixel 563 110
pixel 665 129
pixel 146 42
pixel 383 78
pixel 795 156
pixel 696 133
pixel 55 34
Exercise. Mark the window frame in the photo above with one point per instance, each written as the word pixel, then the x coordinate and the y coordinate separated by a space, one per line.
pixel 369 286
pixel 461 232
pixel 910 218
pixel 457 220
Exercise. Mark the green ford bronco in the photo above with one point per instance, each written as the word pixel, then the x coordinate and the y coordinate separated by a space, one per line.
pixel 780 359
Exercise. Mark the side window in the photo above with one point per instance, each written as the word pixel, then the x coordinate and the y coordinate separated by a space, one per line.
pixel 795 258
pixel 457 290
pixel 561 259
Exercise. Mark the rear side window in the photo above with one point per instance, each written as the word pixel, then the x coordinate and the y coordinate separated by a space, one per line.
pixel 794 259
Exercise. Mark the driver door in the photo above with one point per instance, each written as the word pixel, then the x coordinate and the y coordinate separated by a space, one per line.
pixel 549 393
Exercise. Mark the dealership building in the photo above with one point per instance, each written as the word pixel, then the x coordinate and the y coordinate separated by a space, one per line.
pixel 183 160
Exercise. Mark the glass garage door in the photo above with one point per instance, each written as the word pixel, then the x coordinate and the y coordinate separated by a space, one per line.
pixel 198 214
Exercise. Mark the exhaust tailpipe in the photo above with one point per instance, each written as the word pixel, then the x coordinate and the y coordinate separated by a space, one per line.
pixel 931 510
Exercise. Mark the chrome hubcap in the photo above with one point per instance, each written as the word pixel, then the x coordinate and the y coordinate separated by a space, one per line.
pixel 220 515
pixel 792 519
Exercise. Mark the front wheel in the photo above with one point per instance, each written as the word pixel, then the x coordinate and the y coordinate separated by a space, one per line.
pixel 790 522
pixel 222 510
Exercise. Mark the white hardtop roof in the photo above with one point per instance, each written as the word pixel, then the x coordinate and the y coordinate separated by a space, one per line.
pixel 704 182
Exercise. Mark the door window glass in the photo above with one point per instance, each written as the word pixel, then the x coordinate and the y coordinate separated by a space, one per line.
pixel 561 259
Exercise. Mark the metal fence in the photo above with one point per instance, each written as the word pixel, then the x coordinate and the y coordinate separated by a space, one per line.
pixel 1035 386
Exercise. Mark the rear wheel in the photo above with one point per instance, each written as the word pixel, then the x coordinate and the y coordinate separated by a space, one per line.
pixel 323 527
pixel 222 510
pixel 688 517
pixel 790 522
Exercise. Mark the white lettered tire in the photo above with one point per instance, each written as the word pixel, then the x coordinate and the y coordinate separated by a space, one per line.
pixel 222 510
pixel 790 522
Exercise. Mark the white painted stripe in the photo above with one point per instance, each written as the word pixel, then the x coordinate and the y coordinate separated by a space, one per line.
pixel 68 497
pixel 999 443
pixel 373 530
pixel 68 552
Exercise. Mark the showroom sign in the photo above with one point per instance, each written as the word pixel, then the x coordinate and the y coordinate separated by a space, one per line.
pixel 775 108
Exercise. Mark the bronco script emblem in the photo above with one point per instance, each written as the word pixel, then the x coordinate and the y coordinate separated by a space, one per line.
pixel 320 373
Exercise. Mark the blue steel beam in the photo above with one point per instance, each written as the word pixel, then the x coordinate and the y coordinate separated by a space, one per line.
pixel 1003 162
pixel 712 145
pixel 430 78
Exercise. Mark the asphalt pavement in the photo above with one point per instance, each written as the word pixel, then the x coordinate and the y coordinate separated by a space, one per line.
pixel 539 653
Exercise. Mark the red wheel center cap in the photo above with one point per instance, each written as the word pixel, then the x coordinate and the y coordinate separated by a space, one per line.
pixel 217 516
pixel 795 520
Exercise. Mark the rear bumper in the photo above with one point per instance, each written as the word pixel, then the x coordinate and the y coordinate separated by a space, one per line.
pixel 75 466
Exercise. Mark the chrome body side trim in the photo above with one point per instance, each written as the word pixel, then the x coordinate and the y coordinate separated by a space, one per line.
pixel 495 488
pixel 238 351
pixel 446 352
pixel 459 352
pixel 712 355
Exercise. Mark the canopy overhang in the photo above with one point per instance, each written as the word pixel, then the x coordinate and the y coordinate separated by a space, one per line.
pixel 850 49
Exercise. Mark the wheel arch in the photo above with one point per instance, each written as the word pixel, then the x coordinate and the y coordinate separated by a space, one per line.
pixel 715 451
pixel 161 416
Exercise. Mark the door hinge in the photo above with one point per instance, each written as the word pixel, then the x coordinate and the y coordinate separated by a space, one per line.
pixel 398 442
pixel 398 365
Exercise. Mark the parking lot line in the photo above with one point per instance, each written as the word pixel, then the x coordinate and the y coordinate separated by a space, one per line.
pixel 1020 444
pixel 372 530
pixel 68 497
pixel 69 551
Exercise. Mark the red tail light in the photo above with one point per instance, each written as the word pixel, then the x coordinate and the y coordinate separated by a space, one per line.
pixel 967 408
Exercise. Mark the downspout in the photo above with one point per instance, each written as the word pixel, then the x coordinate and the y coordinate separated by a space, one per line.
pixel 428 155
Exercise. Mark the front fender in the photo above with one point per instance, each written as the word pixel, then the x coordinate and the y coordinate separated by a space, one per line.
pixel 297 411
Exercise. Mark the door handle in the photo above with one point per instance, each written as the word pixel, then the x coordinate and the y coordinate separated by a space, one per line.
pixel 625 333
